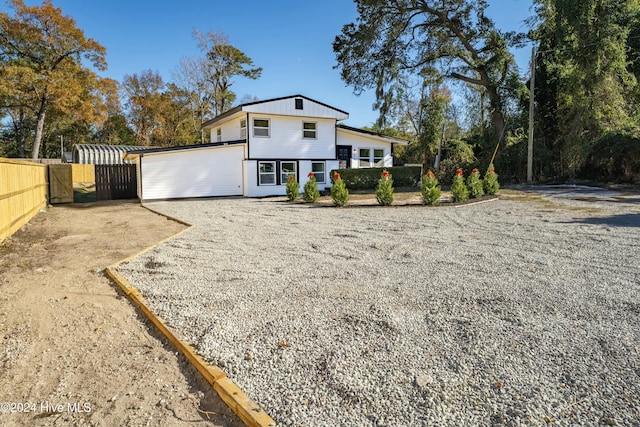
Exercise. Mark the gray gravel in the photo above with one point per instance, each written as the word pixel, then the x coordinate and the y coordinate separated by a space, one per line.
pixel 512 312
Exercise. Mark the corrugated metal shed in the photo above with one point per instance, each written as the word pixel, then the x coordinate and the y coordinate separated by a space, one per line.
pixel 101 154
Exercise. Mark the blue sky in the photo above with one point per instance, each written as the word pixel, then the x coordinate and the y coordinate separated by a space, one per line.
pixel 291 40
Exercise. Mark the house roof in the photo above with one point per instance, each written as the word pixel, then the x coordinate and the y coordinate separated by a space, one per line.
pixel 369 133
pixel 247 107
pixel 129 155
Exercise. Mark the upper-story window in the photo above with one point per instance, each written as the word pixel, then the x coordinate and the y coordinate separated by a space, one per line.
pixel 243 129
pixel 219 135
pixel 309 130
pixel 261 127
pixel 299 104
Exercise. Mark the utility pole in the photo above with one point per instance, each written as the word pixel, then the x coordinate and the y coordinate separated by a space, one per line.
pixel 439 155
pixel 532 87
pixel 61 147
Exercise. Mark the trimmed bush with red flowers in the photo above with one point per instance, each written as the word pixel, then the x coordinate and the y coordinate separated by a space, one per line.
pixel 490 182
pixel 384 190
pixel 293 188
pixel 430 189
pixel 339 192
pixel 459 191
pixel 311 193
pixel 474 183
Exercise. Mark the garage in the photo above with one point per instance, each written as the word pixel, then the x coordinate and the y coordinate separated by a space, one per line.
pixel 207 170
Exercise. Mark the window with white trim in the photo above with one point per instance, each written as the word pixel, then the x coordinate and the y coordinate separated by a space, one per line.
pixel 318 171
pixel 266 173
pixel 365 153
pixel 261 127
pixel 378 157
pixel 309 130
pixel 286 169
pixel 243 129
pixel 219 135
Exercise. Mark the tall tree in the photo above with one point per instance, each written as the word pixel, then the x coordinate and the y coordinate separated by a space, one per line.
pixel 207 80
pixel 144 98
pixel 193 76
pixel 585 83
pixel 41 53
pixel 454 38
pixel 224 62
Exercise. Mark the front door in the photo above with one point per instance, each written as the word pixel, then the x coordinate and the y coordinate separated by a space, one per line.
pixel 343 153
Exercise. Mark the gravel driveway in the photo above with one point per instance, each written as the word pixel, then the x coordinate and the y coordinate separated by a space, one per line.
pixel 520 311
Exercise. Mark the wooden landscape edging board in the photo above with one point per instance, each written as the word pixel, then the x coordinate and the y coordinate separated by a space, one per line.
pixel 246 409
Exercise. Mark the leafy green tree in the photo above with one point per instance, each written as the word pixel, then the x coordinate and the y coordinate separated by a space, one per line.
pixel 42 56
pixel 384 189
pixel 430 189
pixel 224 63
pixel 339 192
pixel 311 193
pixel 143 101
pixel 459 190
pixel 115 131
pixel 433 119
pixel 292 188
pixel 585 83
pixel 207 80
pixel 392 39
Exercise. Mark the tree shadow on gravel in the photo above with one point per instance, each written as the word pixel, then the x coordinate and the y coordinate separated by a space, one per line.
pixel 623 220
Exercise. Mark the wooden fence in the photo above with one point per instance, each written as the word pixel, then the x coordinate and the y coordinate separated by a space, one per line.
pixel 83 173
pixel 23 192
pixel 62 178
pixel 60 184
pixel 116 182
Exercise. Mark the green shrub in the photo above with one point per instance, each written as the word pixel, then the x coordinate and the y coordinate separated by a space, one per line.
pixel 367 178
pixel 459 191
pixel 339 192
pixel 615 156
pixel 430 190
pixel 474 183
pixel 293 188
pixel 311 193
pixel 490 182
pixel 384 190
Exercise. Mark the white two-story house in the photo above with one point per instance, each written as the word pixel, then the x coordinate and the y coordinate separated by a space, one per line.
pixel 256 146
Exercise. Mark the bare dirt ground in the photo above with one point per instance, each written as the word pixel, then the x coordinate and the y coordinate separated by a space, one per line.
pixel 73 349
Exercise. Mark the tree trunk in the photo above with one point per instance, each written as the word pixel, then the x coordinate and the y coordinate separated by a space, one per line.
pixel 21 135
pixel 497 117
pixel 35 152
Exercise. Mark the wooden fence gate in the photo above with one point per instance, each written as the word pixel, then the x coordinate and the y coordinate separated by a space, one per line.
pixel 116 182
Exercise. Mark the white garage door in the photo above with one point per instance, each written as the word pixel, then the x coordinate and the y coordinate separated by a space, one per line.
pixel 203 172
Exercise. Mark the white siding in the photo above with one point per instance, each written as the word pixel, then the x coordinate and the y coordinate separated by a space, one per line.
pixel 204 172
pixel 286 107
pixel 305 168
pixel 285 140
pixel 357 142
pixel 252 189
pixel 230 130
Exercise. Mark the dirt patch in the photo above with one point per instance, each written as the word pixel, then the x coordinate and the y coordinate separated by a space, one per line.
pixel 73 349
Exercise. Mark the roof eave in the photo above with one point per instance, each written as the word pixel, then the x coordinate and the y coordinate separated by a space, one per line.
pixel 356 131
